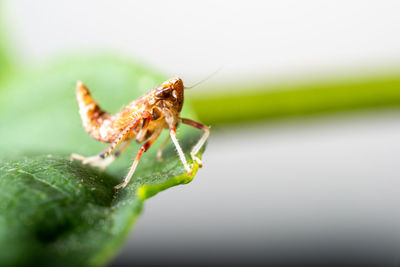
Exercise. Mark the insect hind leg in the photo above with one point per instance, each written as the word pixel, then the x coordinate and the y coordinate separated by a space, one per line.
pixel 101 160
pixel 96 161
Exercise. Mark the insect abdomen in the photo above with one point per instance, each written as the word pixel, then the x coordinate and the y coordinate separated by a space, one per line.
pixel 95 121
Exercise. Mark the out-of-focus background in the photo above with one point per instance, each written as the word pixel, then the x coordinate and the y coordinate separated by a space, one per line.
pixel 304 190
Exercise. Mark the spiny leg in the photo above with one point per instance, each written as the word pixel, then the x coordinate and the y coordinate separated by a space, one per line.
pixel 172 133
pixel 161 148
pixel 202 140
pixel 102 164
pixel 144 148
pixel 145 118
pixel 96 160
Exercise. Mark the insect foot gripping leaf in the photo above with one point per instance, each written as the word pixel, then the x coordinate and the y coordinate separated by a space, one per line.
pixel 54 212
pixel 143 120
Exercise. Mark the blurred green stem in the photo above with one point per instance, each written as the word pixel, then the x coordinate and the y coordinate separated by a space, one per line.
pixel 264 101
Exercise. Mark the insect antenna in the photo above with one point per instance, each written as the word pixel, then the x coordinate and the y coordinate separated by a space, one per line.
pixel 203 80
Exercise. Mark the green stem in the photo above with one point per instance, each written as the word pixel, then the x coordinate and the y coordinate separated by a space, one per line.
pixel 264 101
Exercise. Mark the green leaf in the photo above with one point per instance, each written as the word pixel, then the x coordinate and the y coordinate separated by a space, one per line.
pixel 54 212
pixel 264 101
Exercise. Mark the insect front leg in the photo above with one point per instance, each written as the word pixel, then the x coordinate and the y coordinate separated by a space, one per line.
pixel 144 148
pixel 172 133
pixel 202 140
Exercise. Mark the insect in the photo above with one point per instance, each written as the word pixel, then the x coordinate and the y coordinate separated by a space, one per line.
pixel 141 120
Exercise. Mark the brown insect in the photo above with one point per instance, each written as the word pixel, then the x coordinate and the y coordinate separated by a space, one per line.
pixel 143 120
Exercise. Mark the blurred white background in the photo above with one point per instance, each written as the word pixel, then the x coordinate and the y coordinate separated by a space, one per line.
pixel 194 38
pixel 310 189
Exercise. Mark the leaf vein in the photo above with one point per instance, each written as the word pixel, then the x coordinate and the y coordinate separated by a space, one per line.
pixel 45 182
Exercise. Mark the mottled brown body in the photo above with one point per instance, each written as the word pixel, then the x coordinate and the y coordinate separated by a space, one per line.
pixel 106 127
pixel 142 120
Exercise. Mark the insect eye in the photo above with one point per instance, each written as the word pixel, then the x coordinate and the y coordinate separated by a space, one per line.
pixel 163 93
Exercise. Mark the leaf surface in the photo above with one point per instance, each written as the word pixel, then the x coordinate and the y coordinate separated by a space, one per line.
pixel 54 212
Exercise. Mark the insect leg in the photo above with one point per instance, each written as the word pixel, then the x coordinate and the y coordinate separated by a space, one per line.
pixel 122 149
pixel 144 148
pixel 145 117
pixel 110 159
pixel 172 133
pixel 161 148
pixel 94 160
pixel 202 140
